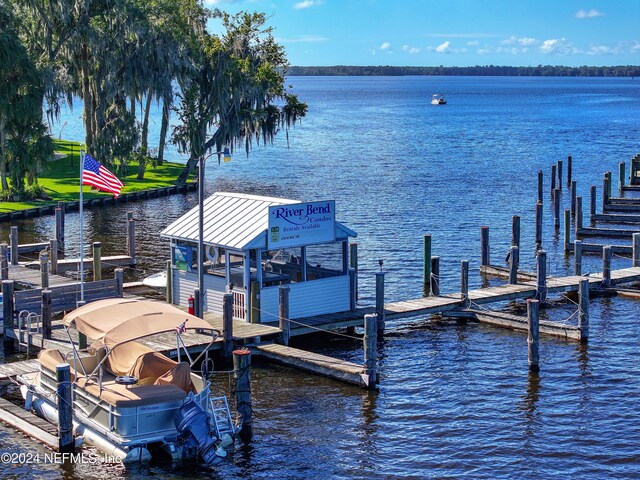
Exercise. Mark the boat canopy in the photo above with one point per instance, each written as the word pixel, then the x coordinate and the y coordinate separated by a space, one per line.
pixel 118 320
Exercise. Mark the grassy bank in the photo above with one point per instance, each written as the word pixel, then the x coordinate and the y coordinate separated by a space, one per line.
pixel 62 178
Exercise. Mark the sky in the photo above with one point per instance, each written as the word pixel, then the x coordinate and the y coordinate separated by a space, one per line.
pixel 451 32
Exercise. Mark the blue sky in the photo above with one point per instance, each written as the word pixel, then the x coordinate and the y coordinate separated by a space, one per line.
pixel 452 32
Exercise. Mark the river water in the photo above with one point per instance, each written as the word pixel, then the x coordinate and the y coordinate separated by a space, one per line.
pixel 455 399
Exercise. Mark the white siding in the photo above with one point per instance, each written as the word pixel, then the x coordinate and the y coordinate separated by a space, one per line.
pixel 184 283
pixel 327 295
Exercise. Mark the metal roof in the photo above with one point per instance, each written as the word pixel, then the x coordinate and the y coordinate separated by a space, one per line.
pixel 233 220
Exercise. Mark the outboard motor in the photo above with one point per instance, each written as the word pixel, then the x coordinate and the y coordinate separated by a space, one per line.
pixel 192 423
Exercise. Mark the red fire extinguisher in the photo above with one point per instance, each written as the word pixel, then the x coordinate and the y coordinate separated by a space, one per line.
pixel 190 300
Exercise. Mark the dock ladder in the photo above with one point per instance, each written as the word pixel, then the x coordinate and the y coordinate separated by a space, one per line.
pixel 221 416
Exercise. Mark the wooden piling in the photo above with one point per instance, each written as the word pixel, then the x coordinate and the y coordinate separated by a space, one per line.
pixel 577 257
pixel 353 263
pixel 515 231
pixel 169 292
pixel 583 310
pixel 227 327
pixel 131 236
pixel 43 257
pixel 4 262
pixel 636 250
pixel 242 375
pixel 556 208
pixel 370 341
pixel 197 303
pixel 283 321
pixel 574 190
pixel 541 276
pixel 538 225
pixel 485 251
pixel 609 177
pixel 567 230
pixel 380 301
pixel 569 168
pixel 426 262
pixel 514 261
pixel 63 209
pixel 578 214
pixel 118 275
pixel 606 266
pixel 7 314
pixel 97 261
pixel 592 204
pixel 353 289
pixel 53 253
pixel 46 314
pixel 559 174
pixel 254 316
pixel 605 196
pixel 533 338
pixel 435 275
pixel 13 244
pixel 59 232
pixel 464 283
pixel 66 443
pixel 621 169
pixel 540 185
pixel 553 178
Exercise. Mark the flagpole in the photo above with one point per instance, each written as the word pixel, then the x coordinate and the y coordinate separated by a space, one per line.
pixel 81 230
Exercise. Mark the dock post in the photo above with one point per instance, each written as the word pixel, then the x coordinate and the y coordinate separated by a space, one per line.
pixel 605 196
pixel 283 321
pixel 118 275
pixel 578 215
pixel 553 178
pixel 63 209
pixel 197 303
pixel 227 327
pixel 592 204
pixel 485 251
pixel 464 283
pixel 353 289
pixel 636 250
pixel 370 349
pixel 515 231
pixel 242 374
pixel 97 261
pixel 53 252
pixel 426 269
pixel 608 176
pixel 254 317
pixel 559 174
pixel 435 276
pixel 131 236
pixel 541 277
pixel 46 314
pixel 43 257
pixel 514 261
pixel 606 266
pixel 569 168
pixel 59 232
pixel 13 244
pixel 353 263
pixel 577 257
pixel 7 313
pixel 583 306
pixel 66 443
pixel 380 301
pixel 540 185
pixel 556 208
pixel 4 262
pixel 621 168
pixel 169 293
pixel 538 225
pixel 574 194
pixel 567 229
pixel 533 338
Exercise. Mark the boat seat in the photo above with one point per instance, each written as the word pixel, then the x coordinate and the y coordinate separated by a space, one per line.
pixel 126 396
pixel 180 376
pixel 124 356
pixel 151 364
pixel 51 358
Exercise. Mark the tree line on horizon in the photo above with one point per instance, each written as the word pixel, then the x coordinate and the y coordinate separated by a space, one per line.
pixel 122 56
pixel 478 70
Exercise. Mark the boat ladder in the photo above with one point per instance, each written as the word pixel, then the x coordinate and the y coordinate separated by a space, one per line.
pixel 27 323
pixel 221 416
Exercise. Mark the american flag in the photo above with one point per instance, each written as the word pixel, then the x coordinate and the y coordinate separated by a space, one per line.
pixel 180 329
pixel 97 176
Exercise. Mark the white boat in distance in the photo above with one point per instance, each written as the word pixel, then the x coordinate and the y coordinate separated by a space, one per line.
pixel 438 99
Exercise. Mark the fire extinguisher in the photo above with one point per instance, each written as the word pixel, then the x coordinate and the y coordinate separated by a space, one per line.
pixel 190 300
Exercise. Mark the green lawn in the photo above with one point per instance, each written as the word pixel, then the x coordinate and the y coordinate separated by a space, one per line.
pixel 61 181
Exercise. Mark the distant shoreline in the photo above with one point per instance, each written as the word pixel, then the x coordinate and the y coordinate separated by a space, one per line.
pixel 477 71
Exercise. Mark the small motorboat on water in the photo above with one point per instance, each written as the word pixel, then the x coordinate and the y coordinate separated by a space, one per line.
pixel 130 401
pixel 157 280
pixel 438 99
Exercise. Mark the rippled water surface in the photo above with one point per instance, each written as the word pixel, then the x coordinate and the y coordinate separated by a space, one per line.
pixel 455 399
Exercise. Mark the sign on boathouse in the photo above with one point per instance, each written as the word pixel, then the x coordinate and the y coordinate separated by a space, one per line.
pixel 300 224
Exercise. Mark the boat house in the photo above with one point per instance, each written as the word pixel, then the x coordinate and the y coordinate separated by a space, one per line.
pixel 255 244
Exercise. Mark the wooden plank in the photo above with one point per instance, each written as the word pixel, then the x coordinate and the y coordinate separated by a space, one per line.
pixel 73 264
pixel 32 247
pixel 503 272
pixel 597 248
pixel 606 232
pixel 26 422
pixel 616 218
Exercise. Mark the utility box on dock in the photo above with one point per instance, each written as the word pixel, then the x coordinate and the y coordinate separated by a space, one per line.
pixel 255 244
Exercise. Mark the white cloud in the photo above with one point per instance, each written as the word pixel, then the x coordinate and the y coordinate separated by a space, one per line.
pixel 213 3
pixel 304 4
pixel 522 41
pixel 411 50
pixel 443 47
pixel 635 47
pixel 483 51
pixel 462 35
pixel 590 14
pixel 385 46
pixel 557 46
pixel 303 39
pixel 473 43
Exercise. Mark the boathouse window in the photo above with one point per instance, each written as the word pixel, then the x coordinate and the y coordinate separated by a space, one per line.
pixel 324 261
pixel 285 264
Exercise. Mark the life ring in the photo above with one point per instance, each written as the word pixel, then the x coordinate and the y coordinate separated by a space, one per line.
pixel 213 254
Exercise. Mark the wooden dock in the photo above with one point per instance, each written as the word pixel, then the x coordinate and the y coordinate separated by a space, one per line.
pixel 73 264
pixel 30 278
pixel 29 423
